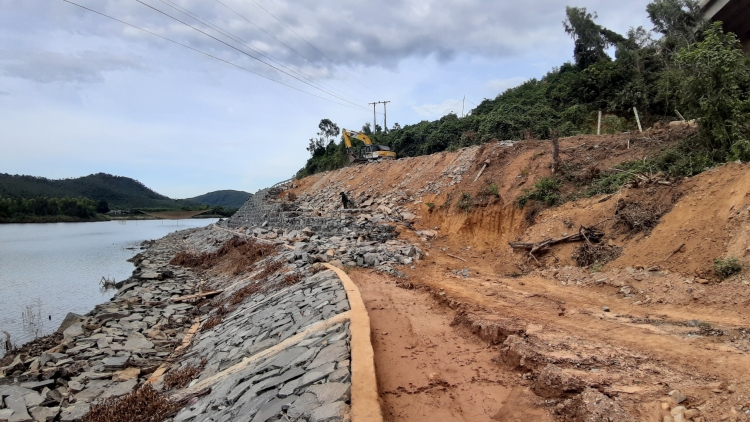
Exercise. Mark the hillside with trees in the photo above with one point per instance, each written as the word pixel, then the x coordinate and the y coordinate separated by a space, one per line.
pixel 118 192
pixel 683 63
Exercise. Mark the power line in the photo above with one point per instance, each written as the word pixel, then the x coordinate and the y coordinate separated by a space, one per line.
pixel 446 109
pixel 245 43
pixel 316 48
pixel 287 46
pixel 245 53
pixel 208 55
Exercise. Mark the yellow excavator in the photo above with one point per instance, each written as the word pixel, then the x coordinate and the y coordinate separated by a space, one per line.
pixel 369 152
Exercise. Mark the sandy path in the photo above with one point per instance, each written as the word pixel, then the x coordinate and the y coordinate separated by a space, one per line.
pixel 429 371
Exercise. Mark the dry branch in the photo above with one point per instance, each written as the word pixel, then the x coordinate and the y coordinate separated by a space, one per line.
pixel 584 233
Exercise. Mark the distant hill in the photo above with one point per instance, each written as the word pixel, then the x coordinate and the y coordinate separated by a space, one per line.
pixel 224 198
pixel 119 192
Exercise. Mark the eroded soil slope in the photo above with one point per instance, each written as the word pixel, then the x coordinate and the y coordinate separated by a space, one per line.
pixel 646 329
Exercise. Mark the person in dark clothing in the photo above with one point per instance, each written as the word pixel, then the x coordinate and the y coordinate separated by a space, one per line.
pixel 347 203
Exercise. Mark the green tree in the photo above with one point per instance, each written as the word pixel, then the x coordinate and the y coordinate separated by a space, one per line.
pixel 329 131
pixel 716 88
pixel 102 207
pixel 678 21
pixel 591 40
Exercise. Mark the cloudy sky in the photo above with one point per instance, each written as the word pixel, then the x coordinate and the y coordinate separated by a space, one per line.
pixel 80 93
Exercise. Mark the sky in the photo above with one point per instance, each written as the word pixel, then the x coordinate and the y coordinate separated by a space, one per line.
pixel 81 93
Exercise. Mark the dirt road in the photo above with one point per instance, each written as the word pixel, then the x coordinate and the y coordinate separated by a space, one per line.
pixel 429 371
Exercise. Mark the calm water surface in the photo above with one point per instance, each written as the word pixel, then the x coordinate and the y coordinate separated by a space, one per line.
pixel 58 266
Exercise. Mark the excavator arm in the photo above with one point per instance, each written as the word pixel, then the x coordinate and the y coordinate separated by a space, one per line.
pixel 367 153
pixel 348 134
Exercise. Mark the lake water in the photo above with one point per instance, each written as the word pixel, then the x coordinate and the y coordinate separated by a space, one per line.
pixel 56 268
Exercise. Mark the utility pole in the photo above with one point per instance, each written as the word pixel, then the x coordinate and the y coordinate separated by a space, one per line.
pixel 463 106
pixel 374 119
pixel 385 116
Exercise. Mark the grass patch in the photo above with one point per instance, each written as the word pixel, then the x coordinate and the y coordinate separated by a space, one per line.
pixel 725 268
pixel 683 160
pixel 492 190
pixel 546 191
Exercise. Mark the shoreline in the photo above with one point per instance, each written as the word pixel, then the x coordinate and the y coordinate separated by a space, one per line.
pixel 280 321
pixel 43 220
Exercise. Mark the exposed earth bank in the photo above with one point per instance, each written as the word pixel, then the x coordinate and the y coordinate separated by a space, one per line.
pixel 647 329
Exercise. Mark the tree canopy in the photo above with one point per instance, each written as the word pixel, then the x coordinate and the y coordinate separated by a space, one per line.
pixel 682 64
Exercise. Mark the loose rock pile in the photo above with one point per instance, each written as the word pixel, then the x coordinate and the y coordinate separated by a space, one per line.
pixel 113 348
pixel 278 348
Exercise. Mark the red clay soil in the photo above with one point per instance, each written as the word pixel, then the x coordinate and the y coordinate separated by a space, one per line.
pixel 536 338
pixel 429 371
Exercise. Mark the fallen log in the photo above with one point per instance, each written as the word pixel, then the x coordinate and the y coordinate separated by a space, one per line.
pixel 584 234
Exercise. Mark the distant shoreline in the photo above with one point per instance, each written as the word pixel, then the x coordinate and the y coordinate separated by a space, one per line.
pixel 99 218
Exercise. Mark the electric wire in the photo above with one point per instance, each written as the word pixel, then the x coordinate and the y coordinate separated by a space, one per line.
pixel 448 108
pixel 316 48
pixel 289 47
pixel 246 53
pixel 247 45
pixel 209 55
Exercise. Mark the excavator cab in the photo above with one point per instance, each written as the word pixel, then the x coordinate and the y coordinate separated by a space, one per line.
pixel 369 152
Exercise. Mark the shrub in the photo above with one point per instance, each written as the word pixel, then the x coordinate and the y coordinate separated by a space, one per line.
pixel 546 190
pixel 465 203
pixel 715 87
pixel 493 190
pixel 725 268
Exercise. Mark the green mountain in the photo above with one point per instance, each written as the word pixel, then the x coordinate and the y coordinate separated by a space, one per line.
pixel 119 192
pixel 223 198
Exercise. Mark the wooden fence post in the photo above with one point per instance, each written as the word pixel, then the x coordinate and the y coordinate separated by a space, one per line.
pixel 555 151
pixel 637 119
pixel 599 127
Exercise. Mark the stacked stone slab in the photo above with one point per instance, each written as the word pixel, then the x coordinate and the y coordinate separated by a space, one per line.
pixel 264 321
pixel 263 210
pixel 101 353
pixel 308 380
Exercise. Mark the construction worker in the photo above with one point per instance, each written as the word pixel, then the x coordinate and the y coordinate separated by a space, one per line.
pixel 346 202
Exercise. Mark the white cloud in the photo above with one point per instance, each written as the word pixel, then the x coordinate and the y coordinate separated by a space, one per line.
pixel 48 66
pixel 501 85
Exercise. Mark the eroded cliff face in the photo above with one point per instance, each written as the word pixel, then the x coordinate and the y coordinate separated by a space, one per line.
pixel 640 326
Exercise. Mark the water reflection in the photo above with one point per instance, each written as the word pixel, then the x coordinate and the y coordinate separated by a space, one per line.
pixel 57 268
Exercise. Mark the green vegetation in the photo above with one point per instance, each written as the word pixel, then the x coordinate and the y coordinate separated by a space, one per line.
pixel 493 190
pixel 119 192
pixel 597 267
pixel 48 209
pixel 546 190
pixel 691 66
pixel 36 199
pixel 465 202
pixel 725 268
